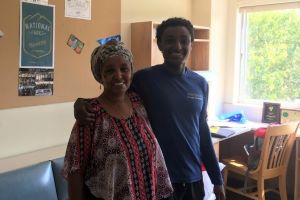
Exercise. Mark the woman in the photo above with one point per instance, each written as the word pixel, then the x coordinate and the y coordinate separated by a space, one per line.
pixel 117 157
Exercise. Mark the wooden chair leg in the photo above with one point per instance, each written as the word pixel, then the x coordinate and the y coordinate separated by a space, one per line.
pixel 261 189
pixel 282 187
pixel 225 176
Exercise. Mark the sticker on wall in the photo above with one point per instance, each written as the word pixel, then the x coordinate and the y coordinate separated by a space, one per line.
pixel 35 82
pixel 103 41
pixel 75 43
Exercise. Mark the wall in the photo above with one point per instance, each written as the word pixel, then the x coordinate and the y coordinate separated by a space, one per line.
pixel 155 10
pixel 30 128
pixel 201 12
pixel 218 50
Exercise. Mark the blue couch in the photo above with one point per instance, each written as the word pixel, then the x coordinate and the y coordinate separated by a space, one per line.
pixel 41 181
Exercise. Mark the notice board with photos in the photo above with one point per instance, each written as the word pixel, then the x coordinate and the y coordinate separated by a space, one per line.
pixel 72 75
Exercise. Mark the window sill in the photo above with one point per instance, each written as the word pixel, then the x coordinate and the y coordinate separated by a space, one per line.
pixel 252 112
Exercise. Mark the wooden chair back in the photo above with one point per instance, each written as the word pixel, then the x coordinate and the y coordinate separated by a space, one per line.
pixel 276 149
pixel 274 158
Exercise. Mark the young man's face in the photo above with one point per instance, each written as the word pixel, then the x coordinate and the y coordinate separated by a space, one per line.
pixel 175 45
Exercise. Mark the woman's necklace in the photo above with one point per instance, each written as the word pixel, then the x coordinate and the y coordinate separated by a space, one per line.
pixel 121 109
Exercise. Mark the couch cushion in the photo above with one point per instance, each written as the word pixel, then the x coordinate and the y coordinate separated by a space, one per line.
pixel 60 182
pixel 30 183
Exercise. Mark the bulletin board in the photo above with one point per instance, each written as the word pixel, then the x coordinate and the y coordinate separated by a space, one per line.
pixel 72 74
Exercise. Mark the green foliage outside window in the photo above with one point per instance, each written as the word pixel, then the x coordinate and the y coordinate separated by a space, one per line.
pixel 273 55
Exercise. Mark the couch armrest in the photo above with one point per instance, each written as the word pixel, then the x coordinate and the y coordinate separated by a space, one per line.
pixel 60 182
pixel 30 183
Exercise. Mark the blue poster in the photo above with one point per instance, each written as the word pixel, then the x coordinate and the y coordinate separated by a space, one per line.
pixel 37 36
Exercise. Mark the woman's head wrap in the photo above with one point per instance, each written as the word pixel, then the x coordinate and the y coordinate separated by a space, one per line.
pixel 103 52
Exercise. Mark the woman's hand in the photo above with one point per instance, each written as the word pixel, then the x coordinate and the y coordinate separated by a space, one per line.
pixel 83 112
pixel 219 192
pixel 76 186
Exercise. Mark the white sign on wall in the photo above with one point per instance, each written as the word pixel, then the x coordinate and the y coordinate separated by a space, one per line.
pixel 80 9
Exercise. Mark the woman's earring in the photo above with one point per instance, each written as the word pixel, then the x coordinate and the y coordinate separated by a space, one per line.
pixel 101 87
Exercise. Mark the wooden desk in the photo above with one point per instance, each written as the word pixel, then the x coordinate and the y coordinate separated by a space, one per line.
pixel 238 134
pixel 297 170
pixel 243 135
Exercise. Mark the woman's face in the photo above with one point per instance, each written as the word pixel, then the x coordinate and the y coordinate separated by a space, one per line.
pixel 116 75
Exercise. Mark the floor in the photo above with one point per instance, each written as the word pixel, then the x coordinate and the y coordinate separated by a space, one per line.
pixel 234 196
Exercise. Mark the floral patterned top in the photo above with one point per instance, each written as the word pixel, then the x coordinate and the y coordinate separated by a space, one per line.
pixel 121 158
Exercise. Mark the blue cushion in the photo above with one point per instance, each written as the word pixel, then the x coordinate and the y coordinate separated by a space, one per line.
pixel 29 183
pixel 60 181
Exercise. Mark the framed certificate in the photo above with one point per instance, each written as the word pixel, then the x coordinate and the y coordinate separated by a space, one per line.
pixel 271 113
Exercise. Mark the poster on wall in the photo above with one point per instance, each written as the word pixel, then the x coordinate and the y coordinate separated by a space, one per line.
pixel 36 70
pixel 37 1
pixel 36 35
pixel 80 9
pixel 35 82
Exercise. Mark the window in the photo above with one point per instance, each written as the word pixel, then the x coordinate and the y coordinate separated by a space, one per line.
pixel 270 53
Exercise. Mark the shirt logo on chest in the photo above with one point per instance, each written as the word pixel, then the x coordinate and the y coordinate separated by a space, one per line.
pixel 193 96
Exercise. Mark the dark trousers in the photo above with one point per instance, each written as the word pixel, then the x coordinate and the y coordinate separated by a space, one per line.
pixel 188 191
pixel 182 191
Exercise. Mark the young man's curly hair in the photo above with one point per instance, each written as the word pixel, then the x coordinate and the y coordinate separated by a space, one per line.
pixel 174 22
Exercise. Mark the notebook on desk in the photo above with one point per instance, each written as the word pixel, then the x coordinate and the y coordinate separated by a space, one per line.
pixel 221 132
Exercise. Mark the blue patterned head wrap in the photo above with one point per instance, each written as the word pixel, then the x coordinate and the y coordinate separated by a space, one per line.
pixel 103 52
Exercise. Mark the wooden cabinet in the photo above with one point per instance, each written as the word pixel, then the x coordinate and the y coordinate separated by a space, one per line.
pixel 146 52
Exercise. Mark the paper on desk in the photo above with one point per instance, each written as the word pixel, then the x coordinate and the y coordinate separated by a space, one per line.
pixel 226 124
pixel 214 129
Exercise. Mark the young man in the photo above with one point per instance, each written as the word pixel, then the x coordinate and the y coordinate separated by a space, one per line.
pixel 176 101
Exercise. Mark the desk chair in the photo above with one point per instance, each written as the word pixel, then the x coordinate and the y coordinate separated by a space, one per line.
pixel 275 154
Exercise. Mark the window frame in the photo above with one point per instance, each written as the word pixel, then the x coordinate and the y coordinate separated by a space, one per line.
pixel 230 71
pixel 241 53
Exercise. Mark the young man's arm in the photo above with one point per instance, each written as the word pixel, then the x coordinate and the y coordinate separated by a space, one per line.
pixel 83 112
pixel 211 163
pixel 208 153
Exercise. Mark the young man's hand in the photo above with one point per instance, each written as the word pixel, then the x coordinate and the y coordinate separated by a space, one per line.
pixel 219 192
pixel 83 112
